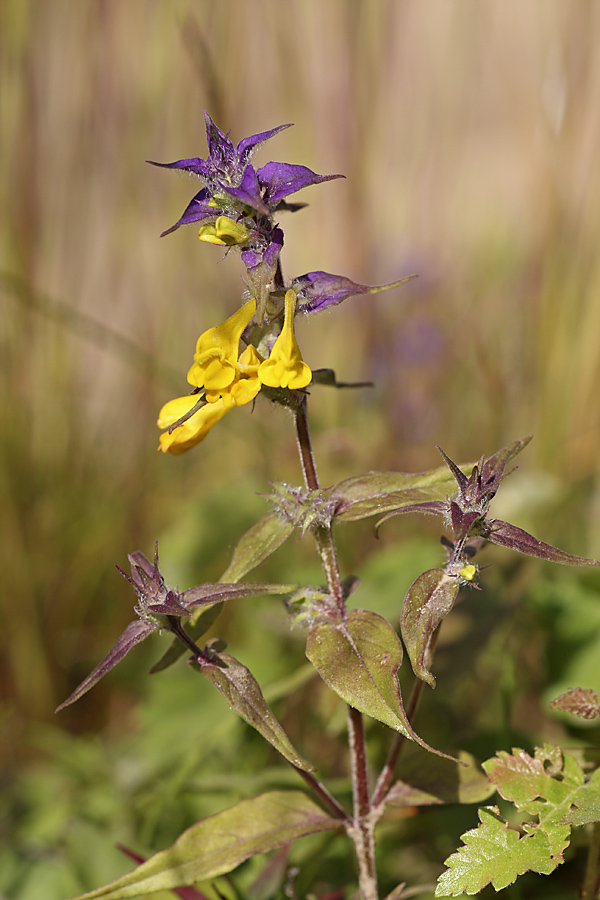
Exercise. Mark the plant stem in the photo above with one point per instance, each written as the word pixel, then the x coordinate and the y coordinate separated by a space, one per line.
pixel 309 468
pixel 362 830
pixel 322 533
pixel 179 631
pixel 590 885
pixel 321 791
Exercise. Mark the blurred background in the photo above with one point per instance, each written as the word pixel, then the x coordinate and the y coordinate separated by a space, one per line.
pixel 469 135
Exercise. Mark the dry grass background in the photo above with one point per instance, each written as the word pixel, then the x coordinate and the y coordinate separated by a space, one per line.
pixel 469 135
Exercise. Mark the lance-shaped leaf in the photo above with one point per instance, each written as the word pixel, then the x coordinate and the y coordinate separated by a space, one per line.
pixel 248 191
pixel 257 544
pixel 429 599
pixel 425 781
pixel 359 658
pixel 220 843
pixel 582 702
pixel 378 492
pixel 242 691
pixel 166 607
pixel 186 893
pixel 507 535
pixel 134 633
pixel 197 210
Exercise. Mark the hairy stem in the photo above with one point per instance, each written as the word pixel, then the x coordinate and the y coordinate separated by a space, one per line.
pixel 309 468
pixel 322 533
pixel 362 830
pixel 361 827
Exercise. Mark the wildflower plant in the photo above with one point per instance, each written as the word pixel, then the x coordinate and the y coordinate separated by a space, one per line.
pixel 355 651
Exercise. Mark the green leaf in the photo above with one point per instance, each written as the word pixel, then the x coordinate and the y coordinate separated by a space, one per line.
pixel 378 492
pixel 550 785
pixel 242 691
pixel 523 779
pixel 359 658
pixel 495 853
pixel 587 803
pixel 428 600
pixel 257 544
pixel 555 778
pixel 425 781
pixel 220 843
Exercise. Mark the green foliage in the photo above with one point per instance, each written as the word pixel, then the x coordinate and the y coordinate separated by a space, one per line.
pixel 550 786
pixel 377 492
pixel 242 691
pixel 84 373
pixel 429 599
pixel 219 844
pixel 359 658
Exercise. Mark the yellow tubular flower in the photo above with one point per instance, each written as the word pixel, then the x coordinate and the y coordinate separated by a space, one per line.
pixel 195 428
pixel 215 360
pixel 285 367
pixel 247 384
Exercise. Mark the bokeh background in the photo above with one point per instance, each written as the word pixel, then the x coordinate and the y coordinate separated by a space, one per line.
pixel 469 135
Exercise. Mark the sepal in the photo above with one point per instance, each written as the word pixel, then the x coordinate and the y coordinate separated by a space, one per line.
pixel 318 290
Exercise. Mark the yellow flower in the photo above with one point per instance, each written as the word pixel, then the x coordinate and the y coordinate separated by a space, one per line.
pixel 285 367
pixel 247 384
pixel 225 231
pixel 194 429
pixel 216 357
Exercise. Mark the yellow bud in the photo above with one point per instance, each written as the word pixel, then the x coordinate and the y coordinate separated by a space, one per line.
pixel 225 231
pixel 468 572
